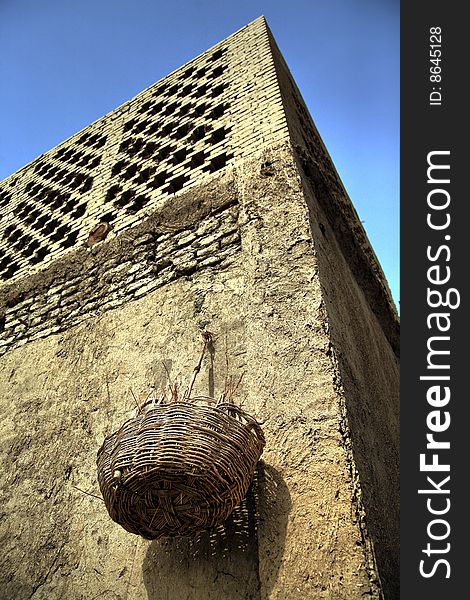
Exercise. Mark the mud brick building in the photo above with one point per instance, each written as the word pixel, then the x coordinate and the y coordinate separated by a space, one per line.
pixel 208 200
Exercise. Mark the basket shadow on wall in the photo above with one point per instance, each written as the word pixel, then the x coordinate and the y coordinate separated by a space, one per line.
pixel 224 564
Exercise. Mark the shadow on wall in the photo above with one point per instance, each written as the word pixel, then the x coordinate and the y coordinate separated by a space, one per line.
pixel 223 564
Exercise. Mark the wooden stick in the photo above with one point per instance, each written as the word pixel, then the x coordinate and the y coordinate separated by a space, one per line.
pixel 207 339
pixel 87 493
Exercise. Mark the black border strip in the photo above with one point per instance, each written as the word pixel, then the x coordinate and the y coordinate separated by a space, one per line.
pixel 425 128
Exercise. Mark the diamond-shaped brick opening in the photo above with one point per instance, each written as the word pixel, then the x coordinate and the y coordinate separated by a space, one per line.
pixel 171 136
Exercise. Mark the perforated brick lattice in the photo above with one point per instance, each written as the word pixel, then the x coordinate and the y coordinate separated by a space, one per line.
pixel 186 128
pixel 172 138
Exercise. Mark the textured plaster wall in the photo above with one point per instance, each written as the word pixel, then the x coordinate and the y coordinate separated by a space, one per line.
pixel 368 386
pixel 301 533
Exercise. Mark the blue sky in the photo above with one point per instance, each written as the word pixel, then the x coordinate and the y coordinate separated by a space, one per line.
pixel 65 63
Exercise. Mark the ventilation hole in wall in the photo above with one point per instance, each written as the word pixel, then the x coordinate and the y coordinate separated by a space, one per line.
pixel 108 217
pixel 39 169
pixel 76 156
pixel 149 149
pixel 49 195
pixel 185 90
pixel 68 180
pixel 165 151
pixel 181 132
pixel 21 207
pixel 9 230
pixel 135 146
pixel 118 167
pixel 218 111
pixel 125 145
pixel 99 142
pixel 188 72
pixel 58 202
pixel 170 109
pixel 39 255
pixel 77 181
pixel 129 125
pixel 200 109
pixel 175 184
pixel 87 184
pixel 145 107
pixel 141 126
pixel 138 203
pixel 18 243
pixel 95 162
pixel 168 128
pixel 40 195
pixel 160 89
pixel 5 200
pixel 218 135
pixel 217 72
pixel 28 250
pixel 27 239
pixel 200 90
pixel 35 245
pixel 218 162
pixel 53 224
pixel 13 268
pixel 179 156
pixel 157 108
pixel 57 176
pixel 70 240
pixel 60 233
pixel 198 133
pixel 41 221
pixel 217 54
pixel 145 175
pixel 33 215
pixel 153 128
pixel 130 172
pixel 48 229
pixel 14 235
pixel 4 262
pixel 69 156
pixel 197 159
pixel 159 179
pixel 22 214
pixel 217 90
pixel 35 190
pixel 112 192
pixel 85 161
pixel 68 206
pixel 125 198
pixel 79 211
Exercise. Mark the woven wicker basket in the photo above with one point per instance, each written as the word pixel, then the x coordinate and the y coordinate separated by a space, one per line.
pixel 179 468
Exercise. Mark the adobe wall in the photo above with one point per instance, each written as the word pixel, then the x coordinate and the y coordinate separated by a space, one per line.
pixel 364 334
pixel 261 283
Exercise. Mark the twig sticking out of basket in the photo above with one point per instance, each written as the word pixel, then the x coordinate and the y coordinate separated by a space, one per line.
pixel 181 464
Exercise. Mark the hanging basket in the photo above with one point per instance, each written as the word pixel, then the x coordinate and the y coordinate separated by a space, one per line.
pixel 180 467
